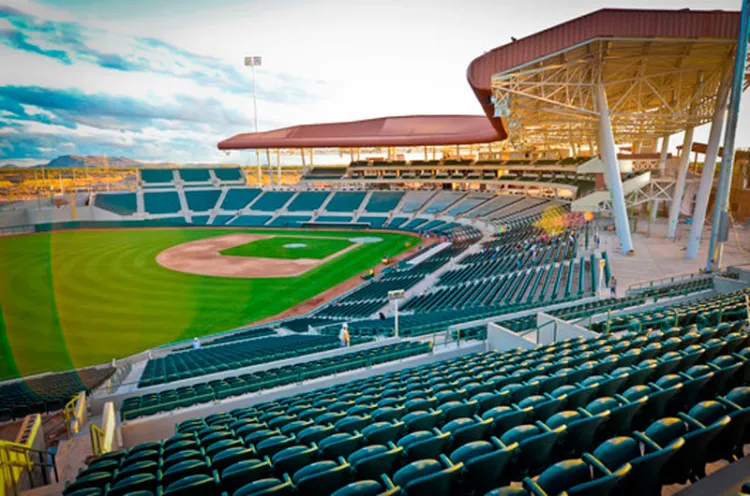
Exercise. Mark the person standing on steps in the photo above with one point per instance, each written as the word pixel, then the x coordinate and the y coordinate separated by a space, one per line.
pixel 344 335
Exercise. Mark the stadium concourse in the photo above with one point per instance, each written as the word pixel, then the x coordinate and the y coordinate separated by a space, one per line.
pixel 541 342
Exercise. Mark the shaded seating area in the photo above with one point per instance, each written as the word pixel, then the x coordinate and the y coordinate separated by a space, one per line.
pixel 239 198
pixel 161 202
pixel 193 363
pixel 202 200
pixel 185 396
pixel 48 393
pixel 118 203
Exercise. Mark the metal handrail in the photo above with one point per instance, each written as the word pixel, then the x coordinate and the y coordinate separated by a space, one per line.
pixel 27 464
pixel 677 278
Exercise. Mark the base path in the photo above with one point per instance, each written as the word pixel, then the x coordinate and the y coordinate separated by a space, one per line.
pixel 203 257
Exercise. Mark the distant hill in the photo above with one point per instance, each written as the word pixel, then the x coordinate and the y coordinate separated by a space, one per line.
pixel 92 161
pixel 101 161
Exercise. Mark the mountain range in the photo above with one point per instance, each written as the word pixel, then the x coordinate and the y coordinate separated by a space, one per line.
pixel 101 162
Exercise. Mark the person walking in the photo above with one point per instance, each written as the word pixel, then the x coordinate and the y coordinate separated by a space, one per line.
pixel 612 286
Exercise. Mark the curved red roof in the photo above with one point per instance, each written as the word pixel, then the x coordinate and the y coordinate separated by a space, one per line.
pixel 611 23
pixel 412 130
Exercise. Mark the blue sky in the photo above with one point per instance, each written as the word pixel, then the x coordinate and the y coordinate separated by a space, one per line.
pixel 164 81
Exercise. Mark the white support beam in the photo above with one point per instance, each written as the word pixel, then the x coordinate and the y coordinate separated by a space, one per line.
pixel 679 189
pixel 707 176
pixel 607 142
pixel 663 154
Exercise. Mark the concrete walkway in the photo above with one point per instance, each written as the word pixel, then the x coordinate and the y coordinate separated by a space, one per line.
pixel 657 256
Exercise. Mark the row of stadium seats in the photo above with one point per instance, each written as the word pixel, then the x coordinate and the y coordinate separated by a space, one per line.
pixel 194 363
pixel 493 265
pixel 151 404
pixel 167 176
pixel 235 336
pixel 263 204
pixel 643 409
pixel 575 312
pixel 705 311
pixel 49 392
pixel 679 288
pixel 541 284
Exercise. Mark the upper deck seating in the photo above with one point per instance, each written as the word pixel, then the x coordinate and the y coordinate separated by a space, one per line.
pixel 119 203
pixel 157 176
pixel 161 202
pixel 239 198
pixel 442 200
pixel 307 201
pixel 345 201
pixel 271 201
pixel 228 174
pixel 202 200
pixel 195 175
pixel 415 199
pixel 383 201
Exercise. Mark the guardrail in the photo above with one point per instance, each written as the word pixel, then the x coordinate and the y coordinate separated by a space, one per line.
pixel 103 438
pixel 642 286
pixel 74 414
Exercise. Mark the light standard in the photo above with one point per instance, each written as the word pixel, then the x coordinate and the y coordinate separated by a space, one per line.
pixel 254 62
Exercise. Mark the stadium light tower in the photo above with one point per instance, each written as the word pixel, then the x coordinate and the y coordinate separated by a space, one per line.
pixel 253 62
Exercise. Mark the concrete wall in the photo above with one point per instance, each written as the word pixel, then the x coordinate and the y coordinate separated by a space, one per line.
pixel 564 330
pixel 501 339
pixel 726 285
pixel 10 218
pixel 162 426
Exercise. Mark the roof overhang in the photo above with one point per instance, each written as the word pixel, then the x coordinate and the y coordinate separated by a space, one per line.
pixel 416 130
pixel 654 87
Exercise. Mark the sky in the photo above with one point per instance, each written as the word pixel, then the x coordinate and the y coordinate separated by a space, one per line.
pixel 164 80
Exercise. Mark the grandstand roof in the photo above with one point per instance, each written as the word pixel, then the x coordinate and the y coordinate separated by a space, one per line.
pixel 660 70
pixel 412 130
pixel 616 44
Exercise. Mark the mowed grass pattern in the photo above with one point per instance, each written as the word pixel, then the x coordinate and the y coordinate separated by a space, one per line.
pixel 315 248
pixel 75 298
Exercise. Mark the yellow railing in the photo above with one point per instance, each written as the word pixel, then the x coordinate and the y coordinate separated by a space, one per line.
pixel 103 438
pixel 14 459
pixel 73 413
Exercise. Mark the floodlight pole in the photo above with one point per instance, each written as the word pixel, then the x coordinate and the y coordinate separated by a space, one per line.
pixel 727 157
pixel 252 62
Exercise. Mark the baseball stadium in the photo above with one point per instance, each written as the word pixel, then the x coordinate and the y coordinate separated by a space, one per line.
pixel 540 299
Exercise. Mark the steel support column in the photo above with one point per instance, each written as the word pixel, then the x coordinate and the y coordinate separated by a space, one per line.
pixel 727 157
pixel 663 154
pixel 707 176
pixel 607 144
pixel 679 188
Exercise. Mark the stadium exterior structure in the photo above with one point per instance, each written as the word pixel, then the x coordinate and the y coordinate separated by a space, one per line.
pixel 614 76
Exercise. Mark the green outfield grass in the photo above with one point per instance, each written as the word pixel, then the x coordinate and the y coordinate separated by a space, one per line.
pixel 316 248
pixel 75 298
